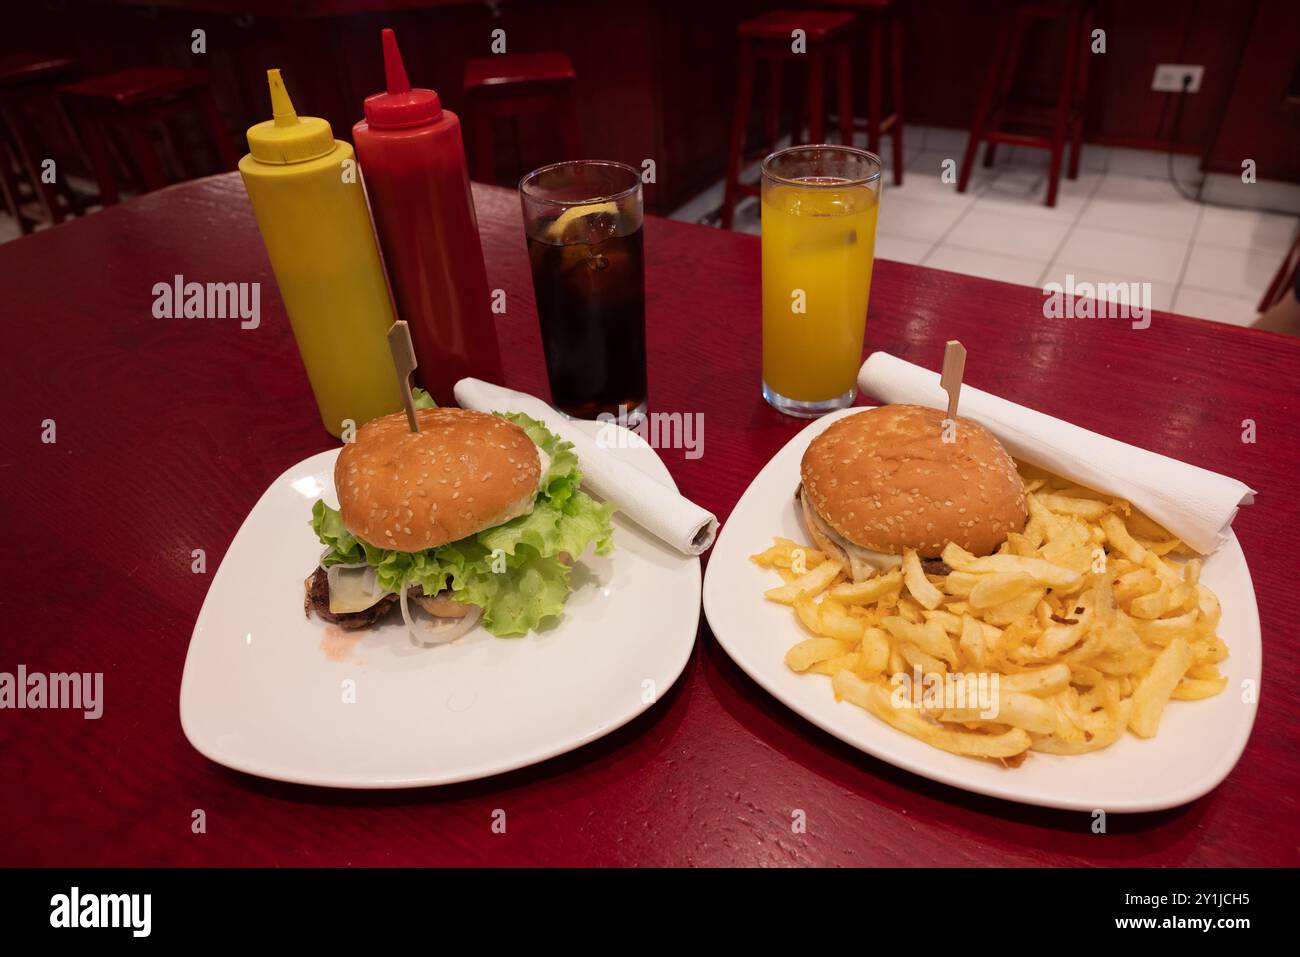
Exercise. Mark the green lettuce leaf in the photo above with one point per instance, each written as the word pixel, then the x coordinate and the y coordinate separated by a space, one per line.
pixel 514 571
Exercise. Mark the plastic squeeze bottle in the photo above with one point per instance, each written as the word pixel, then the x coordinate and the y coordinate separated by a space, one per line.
pixel 311 210
pixel 413 161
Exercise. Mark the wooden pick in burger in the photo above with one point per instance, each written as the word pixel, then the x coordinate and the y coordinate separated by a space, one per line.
pixel 399 343
pixel 954 367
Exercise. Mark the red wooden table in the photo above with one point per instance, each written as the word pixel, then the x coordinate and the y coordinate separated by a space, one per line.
pixel 169 430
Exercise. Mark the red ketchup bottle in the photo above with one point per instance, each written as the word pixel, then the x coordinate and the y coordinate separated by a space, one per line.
pixel 413 162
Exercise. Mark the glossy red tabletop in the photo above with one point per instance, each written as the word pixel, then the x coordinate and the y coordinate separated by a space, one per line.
pixel 168 430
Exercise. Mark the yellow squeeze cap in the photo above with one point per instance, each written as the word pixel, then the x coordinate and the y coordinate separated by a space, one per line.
pixel 289 138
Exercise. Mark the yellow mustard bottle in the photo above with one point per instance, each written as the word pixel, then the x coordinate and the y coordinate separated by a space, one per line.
pixel 311 210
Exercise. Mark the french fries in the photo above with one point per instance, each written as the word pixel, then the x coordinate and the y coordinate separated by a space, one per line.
pixel 1080 627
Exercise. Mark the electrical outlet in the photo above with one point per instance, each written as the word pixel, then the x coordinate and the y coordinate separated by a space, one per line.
pixel 1170 76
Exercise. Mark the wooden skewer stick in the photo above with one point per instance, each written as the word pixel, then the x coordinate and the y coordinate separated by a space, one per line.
pixel 954 367
pixel 399 343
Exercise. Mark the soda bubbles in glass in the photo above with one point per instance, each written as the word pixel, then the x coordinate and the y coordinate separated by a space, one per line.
pixel 583 221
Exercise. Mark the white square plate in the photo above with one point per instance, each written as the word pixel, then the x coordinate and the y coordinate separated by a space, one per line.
pixel 1199 742
pixel 266 690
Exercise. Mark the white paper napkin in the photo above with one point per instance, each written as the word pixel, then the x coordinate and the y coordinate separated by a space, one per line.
pixel 662 512
pixel 1193 503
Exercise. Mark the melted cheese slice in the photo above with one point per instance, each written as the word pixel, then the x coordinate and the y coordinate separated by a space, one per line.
pixel 863 562
pixel 545 461
pixel 353 589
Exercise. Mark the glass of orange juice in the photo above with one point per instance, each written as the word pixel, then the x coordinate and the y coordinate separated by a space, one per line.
pixel 819 239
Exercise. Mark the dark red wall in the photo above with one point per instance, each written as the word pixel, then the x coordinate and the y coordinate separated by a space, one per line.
pixel 657 77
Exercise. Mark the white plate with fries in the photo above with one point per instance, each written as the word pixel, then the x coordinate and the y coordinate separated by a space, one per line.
pixel 1143 700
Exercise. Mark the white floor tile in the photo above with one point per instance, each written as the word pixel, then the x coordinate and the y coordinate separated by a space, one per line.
pixel 989 265
pixel 1147 258
pixel 931 164
pixel 901 249
pixel 748 216
pixel 1246 229
pixel 946 139
pixel 1153 164
pixel 8 228
pixel 1162 293
pixel 996 232
pixel 910 218
pixel 1270 194
pixel 1021 191
pixel 1151 207
pixel 927 185
pixel 1091 160
pixel 1242 273
pixel 1215 306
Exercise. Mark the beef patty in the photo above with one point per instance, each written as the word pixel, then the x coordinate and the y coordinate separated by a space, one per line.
pixel 318 600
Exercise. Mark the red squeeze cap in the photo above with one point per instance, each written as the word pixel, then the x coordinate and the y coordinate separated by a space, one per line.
pixel 401 106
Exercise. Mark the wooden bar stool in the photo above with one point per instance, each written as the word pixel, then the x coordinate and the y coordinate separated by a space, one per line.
pixel 997 120
pixel 769 38
pixel 510 85
pixel 881 17
pixel 28 94
pixel 127 103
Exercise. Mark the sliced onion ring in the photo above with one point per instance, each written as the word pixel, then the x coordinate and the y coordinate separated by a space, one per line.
pixel 438 631
pixel 371 593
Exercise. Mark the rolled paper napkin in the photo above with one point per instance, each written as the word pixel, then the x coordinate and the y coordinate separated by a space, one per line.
pixel 1193 503
pixel 658 509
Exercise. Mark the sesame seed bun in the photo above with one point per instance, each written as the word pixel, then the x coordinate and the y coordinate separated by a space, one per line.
pixel 884 479
pixel 461 473
pixel 819 538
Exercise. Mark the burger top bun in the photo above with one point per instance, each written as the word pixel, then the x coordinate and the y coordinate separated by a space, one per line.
pixel 885 480
pixel 461 473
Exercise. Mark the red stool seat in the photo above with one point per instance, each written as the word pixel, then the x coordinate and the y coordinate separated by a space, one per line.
pixel 18 68
pixel 138 84
pixel 509 86
pixel 881 18
pixel 127 103
pixel 507 68
pixel 766 40
pixel 778 24
pixel 999 120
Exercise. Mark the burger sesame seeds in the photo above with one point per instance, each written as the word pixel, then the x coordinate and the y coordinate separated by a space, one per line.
pixel 455 495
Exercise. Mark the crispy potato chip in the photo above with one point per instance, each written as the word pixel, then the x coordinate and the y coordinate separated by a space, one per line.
pixel 1157 687
pixel 1069 505
pixel 875 698
pixel 1000 587
pixel 1118 536
pixel 808 584
pixel 871 590
pixel 929 637
pixel 807 653
pixel 917 584
pixel 1193 689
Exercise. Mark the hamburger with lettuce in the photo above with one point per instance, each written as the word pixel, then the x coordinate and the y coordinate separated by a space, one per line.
pixel 475 517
